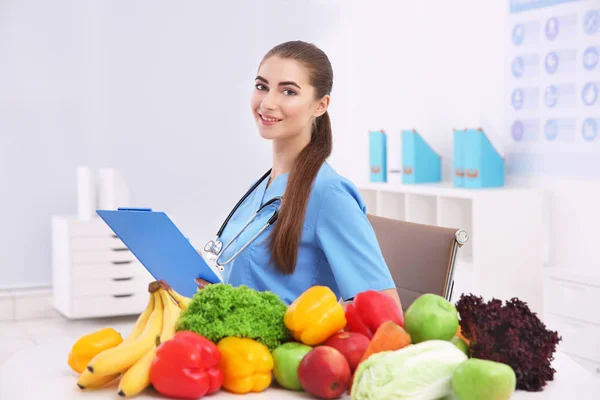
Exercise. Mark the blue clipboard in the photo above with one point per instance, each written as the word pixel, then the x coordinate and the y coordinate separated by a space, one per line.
pixel 161 247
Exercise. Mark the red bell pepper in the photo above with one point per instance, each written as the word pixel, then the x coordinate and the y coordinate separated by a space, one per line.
pixel 186 367
pixel 369 310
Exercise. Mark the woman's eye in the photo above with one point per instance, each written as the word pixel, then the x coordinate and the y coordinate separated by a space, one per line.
pixel 259 86
pixel 291 91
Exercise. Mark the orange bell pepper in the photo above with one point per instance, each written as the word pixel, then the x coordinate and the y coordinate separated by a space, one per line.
pixel 460 335
pixel 315 316
pixel 246 365
pixel 88 346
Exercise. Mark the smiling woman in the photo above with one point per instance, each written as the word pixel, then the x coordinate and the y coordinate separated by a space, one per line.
pixel 320 234
pixel 286 100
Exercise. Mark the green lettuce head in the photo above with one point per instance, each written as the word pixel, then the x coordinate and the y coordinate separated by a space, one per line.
pixel 418 371
pixel 222 310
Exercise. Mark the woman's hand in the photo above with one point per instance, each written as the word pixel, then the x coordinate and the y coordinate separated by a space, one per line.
pixel 201 283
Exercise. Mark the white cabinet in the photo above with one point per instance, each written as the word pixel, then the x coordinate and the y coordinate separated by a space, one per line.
pixel 93 273
pixel 571 308
pixel 505 254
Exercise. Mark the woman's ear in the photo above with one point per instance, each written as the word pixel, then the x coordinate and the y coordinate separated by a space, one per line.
pixel 322 105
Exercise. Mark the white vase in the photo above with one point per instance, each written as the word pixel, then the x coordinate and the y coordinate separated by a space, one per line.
pixel 114 192
pixel 86 194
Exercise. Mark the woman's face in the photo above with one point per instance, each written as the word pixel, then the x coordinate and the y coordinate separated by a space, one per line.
pixel 283 103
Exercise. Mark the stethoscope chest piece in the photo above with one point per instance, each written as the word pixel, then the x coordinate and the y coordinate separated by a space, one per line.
pixel 213 249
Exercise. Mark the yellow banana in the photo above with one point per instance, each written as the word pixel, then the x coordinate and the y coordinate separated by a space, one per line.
pixel 137 378
pixel 87 380
pixel 140 324
pixel 182 301
pixel 120 358
pixel 170 316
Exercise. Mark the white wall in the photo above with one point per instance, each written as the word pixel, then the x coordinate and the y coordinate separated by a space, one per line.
pixel 154 88
pixel 428 65
pixel 158 90
pixel 328 24
pixel 42 129
pixel 435 66
pixel 433 71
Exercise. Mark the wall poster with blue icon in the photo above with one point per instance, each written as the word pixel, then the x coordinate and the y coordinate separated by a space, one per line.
pixel 552 98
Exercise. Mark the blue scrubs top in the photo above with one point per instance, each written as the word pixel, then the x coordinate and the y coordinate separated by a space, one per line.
pixel 338 246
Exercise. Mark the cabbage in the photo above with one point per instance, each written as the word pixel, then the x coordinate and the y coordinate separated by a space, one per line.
pixel 418 371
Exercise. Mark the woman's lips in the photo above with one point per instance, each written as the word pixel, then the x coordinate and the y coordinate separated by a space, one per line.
pixel 268 121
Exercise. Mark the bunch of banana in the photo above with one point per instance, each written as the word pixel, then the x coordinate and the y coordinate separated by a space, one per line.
pixel 131 359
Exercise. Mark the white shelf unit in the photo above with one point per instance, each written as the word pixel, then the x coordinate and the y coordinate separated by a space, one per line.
pixel 504 256
pixel 94 274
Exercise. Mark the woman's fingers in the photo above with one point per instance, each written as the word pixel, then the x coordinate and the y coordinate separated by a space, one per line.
pixel 201 283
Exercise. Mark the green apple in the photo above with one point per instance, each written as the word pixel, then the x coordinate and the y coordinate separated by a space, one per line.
pixel 431 317
pixel 483 379
pixel 286 359
pixel 461 344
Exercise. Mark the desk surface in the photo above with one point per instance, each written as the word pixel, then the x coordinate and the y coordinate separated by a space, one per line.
pixel 42 373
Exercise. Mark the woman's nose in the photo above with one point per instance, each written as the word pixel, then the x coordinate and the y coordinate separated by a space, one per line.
pixel 268 102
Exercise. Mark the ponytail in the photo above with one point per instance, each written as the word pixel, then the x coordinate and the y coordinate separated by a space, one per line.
pixel 287 231
pixel 286 234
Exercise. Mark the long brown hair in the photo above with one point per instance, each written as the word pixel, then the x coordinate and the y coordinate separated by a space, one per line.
pixel 286 235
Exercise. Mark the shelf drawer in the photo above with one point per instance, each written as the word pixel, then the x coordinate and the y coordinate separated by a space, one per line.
pixel 571 299
pixel 578 338
pixel 82 272
pixel 110 286
pixel 109 305
pixel 95 227
pixel 102 256
pixel 90 243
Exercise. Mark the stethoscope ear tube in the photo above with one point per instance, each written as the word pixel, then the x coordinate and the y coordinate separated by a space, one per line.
pixel 270 222
pixel 248 243
pixel 215 247
pixel 273 218
pixel 240 201
pixel 268 203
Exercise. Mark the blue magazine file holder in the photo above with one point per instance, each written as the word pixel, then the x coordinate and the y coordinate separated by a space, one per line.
pixel 458 161
pixel 161 247
pixel 378 156
pixel 420 164
pixel 483 164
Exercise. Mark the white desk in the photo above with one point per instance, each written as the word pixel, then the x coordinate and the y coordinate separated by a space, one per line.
pixel 42 373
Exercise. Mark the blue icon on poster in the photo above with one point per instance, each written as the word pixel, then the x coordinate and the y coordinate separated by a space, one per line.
pixel 517 131
pixel 517 34
pixel 518 67
pixel 589 94
pixel 551 96
pixel 591 22
pixel 552 28
pixel 551 62
pixel 589 130
pixel 551 130
pixel 590 58
pixel 517 99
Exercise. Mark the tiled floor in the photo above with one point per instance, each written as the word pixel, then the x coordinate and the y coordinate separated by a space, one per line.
pixel 22 334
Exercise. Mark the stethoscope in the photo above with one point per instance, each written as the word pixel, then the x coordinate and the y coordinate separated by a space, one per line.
pixel 214 248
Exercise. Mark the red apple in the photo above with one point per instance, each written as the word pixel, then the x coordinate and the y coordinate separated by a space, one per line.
pixel 324 373
pixel 351 344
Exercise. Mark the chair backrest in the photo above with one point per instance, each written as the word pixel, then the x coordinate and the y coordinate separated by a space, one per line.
pixel 420 257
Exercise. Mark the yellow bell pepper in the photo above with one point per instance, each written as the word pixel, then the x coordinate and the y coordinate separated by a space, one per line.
pixel 246 365
pixel 88 346
pixel 315 316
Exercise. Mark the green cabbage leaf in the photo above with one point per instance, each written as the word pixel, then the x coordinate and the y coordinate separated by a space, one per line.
pixel 418 371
